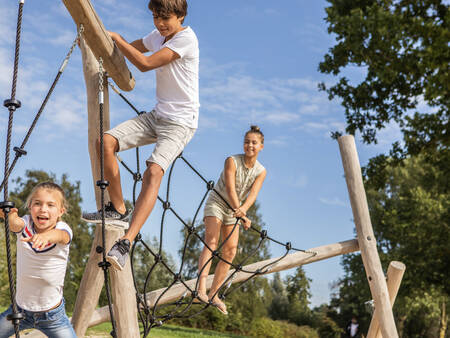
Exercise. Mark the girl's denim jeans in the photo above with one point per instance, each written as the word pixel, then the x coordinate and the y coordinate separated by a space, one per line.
pixel 53 323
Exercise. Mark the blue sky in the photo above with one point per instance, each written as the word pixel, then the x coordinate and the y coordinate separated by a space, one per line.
pixel 258 65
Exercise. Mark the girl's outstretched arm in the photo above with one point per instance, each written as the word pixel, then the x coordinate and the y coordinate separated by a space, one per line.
pixel 55 236
pixel 16 223
pixel 254 190
pixel 230 182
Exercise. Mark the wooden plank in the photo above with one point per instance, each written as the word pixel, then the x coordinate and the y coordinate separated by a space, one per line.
pixel 290 261
pixel 395 274
pixel 365 235
pixel 100 42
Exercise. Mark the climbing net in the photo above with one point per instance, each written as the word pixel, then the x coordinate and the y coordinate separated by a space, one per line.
pixel 154 312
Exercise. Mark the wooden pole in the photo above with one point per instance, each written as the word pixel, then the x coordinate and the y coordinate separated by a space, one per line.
pixel 100 42
pixel 290 261
pixel 122 287
pixel 365 235
pixel 394 278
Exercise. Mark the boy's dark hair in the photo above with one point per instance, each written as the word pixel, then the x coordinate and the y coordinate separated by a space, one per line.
pixel 165 8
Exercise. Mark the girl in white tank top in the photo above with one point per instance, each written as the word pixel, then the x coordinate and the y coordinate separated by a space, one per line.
pixel 239 185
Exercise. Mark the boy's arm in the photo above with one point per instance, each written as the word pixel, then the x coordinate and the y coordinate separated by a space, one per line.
pixel 15 222
pixel 230 182
pixel 139 45
pixel 54 236
pixel 254 190
pixel 134 53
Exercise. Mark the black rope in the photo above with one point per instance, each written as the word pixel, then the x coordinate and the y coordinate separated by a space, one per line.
pixel 12 104
pixel 102 184
pixel 148 313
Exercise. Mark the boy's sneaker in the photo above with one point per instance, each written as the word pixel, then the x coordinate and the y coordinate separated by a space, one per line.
pixel 118 254
pixel 111 214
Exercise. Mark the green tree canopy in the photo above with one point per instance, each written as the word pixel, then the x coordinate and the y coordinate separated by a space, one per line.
pixel 403 48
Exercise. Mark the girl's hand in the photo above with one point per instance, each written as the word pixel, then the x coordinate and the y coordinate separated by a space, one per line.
pixel 39 240
pixel 13 210
pixel 239 212
pixel 246 222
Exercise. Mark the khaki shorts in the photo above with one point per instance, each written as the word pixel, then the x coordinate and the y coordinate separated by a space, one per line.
pixel 215 207
pixel 169 136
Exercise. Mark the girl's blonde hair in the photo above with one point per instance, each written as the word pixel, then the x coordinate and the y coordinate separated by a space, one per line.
pixel 256 130
pixel 49 186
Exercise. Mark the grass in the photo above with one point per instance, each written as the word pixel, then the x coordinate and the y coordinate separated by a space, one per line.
pixel 166 331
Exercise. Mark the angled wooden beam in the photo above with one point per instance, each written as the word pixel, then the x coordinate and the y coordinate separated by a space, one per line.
pixel 290 261
pixel 366 237
pixel 395 274
pixel 100 42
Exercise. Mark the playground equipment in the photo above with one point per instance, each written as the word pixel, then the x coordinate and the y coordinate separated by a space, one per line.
pixel 96 45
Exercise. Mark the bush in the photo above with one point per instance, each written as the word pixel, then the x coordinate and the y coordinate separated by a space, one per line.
pixel 268 328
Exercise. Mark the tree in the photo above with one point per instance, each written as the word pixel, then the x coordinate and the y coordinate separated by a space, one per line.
pixel 403 48
pixel 82 233
pixel 297 288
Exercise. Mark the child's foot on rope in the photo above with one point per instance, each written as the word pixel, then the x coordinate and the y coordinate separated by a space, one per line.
pixel 219 305
pixel 118 254
pixel 111 214
pixel 201 298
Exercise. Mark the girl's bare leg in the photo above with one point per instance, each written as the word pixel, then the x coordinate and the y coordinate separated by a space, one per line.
pixel 227 253
pixel 212 233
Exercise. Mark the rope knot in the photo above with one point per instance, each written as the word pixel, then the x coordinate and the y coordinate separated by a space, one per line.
pixel 12 104
pixel 102 184
pixel 166 205
pixel 210 185
pixel 6 205
pixel 263 234
pixel 104 265
pixel 19 151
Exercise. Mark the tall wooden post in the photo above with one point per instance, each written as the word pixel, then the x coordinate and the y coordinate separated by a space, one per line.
pixel 395 274
pixel 122 287
pixel 366 238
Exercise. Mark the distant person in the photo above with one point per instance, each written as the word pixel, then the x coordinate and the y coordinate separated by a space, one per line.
pixel 239 184
pixel 171 124
pixel 42 251
pixel 352 328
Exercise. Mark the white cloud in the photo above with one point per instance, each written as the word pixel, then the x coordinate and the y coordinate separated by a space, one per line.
pixel 333 201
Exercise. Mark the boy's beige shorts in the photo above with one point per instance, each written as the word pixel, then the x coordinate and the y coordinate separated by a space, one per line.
pixel 169 136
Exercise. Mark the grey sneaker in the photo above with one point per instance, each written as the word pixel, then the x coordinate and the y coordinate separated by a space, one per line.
pixel 111 214
pixel 118 254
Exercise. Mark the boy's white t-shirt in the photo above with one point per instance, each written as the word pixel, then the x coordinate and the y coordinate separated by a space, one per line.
pixel 40 273
pixel 177 82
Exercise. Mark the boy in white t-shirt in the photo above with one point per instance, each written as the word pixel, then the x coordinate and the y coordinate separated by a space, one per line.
pixel 171 124
pixel 42 251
